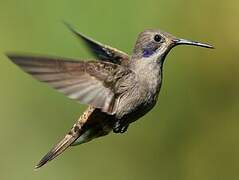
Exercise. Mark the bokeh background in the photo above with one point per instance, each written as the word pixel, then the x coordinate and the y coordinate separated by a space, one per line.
pixel 192 133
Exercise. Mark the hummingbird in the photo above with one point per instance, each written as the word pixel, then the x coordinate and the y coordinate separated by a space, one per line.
pixel 118 88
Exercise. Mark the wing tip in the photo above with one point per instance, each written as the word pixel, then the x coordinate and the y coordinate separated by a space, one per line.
pixel 73 30
pixel 20 58
pixel 79 34
pixel 11 55
pixel 15 58
pixel 68 25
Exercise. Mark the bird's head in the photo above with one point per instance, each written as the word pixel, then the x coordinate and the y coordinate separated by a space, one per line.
pixel 155 45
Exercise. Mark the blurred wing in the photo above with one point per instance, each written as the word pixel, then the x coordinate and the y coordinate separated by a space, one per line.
pixel 85 82
pixel 101 51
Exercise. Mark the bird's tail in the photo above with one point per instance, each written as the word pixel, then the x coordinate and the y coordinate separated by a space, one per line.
pixel 61 146
pixel 75 132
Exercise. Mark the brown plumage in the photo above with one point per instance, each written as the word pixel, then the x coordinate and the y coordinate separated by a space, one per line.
pixel 102 51
pixel 118 89
pixel 91 119
pixel 86 82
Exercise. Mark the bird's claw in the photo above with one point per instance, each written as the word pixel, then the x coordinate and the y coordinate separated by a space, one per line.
pixel 119 128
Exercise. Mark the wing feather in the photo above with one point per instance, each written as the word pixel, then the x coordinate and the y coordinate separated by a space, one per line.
pixel 101 51
pixel 85 82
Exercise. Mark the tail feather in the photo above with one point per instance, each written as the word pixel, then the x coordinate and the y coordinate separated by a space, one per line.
pixel 57 150
pixel 75 132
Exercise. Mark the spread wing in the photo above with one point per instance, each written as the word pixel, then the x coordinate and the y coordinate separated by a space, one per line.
pixel 101 51
pixel 86 82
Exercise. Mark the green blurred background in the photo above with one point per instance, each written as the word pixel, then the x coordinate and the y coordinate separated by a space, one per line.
pixel 192 133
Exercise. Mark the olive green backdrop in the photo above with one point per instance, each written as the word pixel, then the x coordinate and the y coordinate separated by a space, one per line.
pixel 192 133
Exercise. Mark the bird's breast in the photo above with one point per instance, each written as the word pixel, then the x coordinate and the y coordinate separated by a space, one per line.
pixel 141 97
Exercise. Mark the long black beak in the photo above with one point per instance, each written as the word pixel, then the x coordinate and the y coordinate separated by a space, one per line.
pixel 192 43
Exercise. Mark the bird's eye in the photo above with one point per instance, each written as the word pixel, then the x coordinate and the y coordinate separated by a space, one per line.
pixel 157 38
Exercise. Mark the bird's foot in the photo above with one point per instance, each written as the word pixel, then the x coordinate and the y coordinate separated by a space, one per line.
pixel 119 128
pixel 124 128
